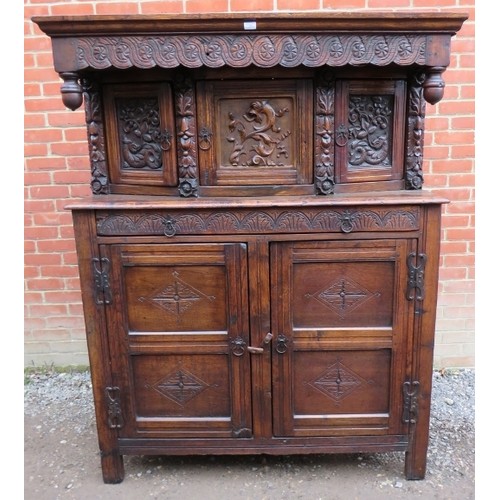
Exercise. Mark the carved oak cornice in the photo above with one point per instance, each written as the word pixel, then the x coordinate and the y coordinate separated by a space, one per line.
pixel 264 40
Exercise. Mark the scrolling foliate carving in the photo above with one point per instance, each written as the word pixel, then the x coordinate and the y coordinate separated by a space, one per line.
pixel 324 150
pixel 370 127
pixel 263 144
pixel 243 50
pixel 95 133
pixel 186 137
pixel 415 135
pixel 140 133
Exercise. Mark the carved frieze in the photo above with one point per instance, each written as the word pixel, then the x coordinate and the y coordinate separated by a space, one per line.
pixel 246 221
pixel 242 50
pixel 95 132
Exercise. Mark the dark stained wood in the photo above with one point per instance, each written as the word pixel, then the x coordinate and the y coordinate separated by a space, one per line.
pixel 259 262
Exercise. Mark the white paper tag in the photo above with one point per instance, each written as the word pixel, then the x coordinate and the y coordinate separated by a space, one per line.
pixel 249 25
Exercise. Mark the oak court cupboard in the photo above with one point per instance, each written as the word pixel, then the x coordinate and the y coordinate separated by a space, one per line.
pixel 258 260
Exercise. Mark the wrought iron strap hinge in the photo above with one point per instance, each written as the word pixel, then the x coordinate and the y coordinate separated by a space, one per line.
pixel 416 267
pixel 102 288
pixel 410 402
pixel 115 417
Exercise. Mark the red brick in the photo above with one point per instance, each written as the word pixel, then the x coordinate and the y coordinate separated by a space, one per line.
pixel 76 134
pixel 41 233
pixel 31 206
pixel 454 137
pixel 43 104
pixel 69 9
pixel 452 166
pixel 58 296
pixel 59 245
pixel 49 192
pixel 202 6
pixel 165 7
pixel 346 4
pixel 298 4
pixel 45 284
pixel 43 135
pixel 460 180
pixel 450 273
pixel 456 107
pixel 117 8
pixel 47 163
pixel 74 149
pixel 251 5
pixel 65 119
pixel 460 234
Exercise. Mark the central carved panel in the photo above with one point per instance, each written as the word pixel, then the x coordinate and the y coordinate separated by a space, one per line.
pixel 180 386
pixel 337 382
pixel 176 297
pixel 343 296
pixel 259 135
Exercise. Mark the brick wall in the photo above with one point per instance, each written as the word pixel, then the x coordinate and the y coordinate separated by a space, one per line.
pixel 57 170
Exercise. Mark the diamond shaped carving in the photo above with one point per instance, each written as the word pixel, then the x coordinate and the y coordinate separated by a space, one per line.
pixel 180 386
pixel 337 382
pixel 176 297
pixel 343 296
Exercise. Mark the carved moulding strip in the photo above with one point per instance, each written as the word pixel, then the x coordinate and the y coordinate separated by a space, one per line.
pixel 324 147
pixel 215 51
pixel 414 177
pixel 187 156
pixel 247 221
pixel 95 132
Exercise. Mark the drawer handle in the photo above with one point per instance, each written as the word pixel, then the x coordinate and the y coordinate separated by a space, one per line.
pixel 169 229
pixel 341 135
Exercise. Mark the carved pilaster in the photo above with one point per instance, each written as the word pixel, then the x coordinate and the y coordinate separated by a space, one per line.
pixel 187 156
pixel 95 131
pixel 414 177
pixel 324 126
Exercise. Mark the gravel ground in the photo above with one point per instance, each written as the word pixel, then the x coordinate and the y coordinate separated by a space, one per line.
pixel 62 459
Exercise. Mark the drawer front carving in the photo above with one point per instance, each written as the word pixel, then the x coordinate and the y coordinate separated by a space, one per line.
pixel 245 221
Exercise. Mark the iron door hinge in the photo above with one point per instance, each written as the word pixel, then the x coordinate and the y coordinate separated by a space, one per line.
pixel 102 289
pixel 410 402
pixel 115 417
pixel 416 267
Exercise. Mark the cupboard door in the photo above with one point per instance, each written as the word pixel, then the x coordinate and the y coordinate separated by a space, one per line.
pixel 255 133
pixel 178 328
pixel 370 130
pixel 342 328
pixel 140 134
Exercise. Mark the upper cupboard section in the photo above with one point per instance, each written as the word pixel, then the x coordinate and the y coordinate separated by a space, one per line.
pixel 186 136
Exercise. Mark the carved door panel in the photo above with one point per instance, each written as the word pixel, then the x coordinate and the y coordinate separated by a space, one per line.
pixel 257 134
pixel 343 329
pixel 140 134
pixel 179 328
pixel 369 130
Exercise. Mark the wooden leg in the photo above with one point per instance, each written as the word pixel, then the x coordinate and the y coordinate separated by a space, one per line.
pixel 113 471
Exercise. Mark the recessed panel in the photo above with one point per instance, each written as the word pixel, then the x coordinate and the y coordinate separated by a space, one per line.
pixel 343 294
pixel 176 298
pixel 342 382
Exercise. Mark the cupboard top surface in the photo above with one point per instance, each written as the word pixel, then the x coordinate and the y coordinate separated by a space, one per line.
pixel 120 202
pixel 372 21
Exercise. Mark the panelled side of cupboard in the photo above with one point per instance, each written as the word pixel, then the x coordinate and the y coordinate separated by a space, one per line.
pixel 259 261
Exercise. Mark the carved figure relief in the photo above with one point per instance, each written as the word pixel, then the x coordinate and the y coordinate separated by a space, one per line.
pixel 257 138
pixel 343 296
pixel 370 131
pixel 141 137
pixel 337 382
pixel 176 297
